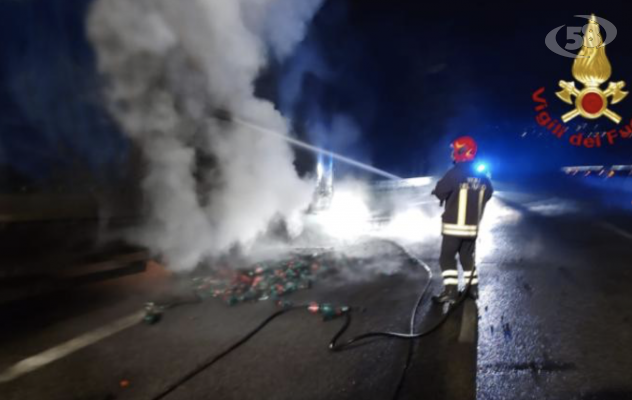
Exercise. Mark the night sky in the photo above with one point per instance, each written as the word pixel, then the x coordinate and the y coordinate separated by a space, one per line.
pixel 417 76
pixel 407 76
pixel 52 119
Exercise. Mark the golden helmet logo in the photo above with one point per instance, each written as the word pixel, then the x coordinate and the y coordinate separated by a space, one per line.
pixel 592 68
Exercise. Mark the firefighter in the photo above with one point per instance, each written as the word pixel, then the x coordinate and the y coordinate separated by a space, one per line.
pixel 464 191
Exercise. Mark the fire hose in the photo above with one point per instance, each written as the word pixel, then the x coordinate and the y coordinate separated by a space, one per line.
pixel 334 345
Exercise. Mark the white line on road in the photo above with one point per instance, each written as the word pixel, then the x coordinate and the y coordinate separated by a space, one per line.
pixel 46 357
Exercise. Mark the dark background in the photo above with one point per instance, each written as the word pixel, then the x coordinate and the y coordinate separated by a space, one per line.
pixel 411 76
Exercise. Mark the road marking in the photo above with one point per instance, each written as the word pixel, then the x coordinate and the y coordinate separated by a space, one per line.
pixel 469 320
pixel 615 229
pixel 46 357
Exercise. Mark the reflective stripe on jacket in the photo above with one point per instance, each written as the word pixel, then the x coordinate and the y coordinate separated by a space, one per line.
pixel 465 193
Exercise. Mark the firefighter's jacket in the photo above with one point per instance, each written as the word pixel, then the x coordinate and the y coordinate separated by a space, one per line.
pixel 465 193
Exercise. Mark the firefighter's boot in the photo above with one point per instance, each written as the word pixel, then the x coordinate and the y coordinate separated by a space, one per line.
pixel 449 295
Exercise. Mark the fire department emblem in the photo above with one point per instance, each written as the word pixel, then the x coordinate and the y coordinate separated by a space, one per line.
pixel 592 68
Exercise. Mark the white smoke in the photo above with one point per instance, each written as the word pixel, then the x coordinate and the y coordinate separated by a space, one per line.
pixel 168 64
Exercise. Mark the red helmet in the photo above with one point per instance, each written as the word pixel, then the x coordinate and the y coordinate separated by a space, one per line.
pixel 464 149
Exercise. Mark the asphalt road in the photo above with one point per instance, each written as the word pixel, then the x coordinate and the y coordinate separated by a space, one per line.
pixel 555 302
pixel 553 323
pixel 288 359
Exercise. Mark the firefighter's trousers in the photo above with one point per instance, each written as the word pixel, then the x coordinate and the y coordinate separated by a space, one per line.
pixel 465 248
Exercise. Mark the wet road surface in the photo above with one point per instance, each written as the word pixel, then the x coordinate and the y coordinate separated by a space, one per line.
pixel 555 304
pixel 554 323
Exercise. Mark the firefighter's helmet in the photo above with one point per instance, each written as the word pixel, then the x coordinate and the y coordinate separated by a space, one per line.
pixel 464 149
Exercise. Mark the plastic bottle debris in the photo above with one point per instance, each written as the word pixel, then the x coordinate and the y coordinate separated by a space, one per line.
pixel 261 282
pixel 153 313
pixel 284 303
pixel 328 311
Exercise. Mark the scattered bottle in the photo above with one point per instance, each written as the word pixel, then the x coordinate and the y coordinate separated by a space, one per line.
pixel 328 311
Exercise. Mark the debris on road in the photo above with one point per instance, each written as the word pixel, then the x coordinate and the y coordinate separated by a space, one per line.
pixel 328 311
pixel 153 313
pixel 263 281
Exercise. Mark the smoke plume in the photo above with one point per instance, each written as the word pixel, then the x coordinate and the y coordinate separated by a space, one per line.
pixel 320 92
pixel 168 66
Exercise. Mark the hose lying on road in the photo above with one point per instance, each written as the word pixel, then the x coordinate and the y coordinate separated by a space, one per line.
pixel 333 345
pixel 224 353
pixel 396 335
